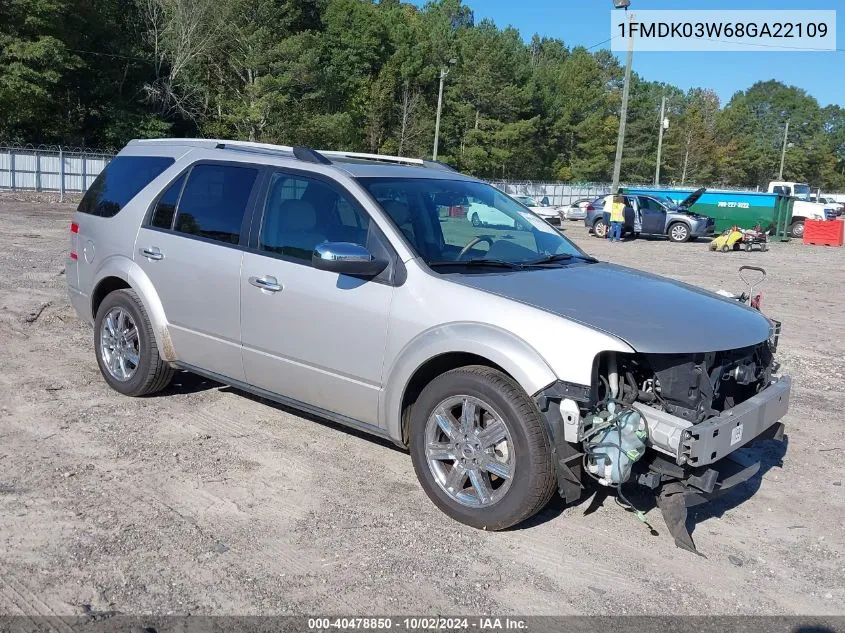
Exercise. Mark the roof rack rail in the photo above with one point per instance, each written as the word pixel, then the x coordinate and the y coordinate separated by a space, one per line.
pixel 310 156
pixel 386 158
pixel 306 154
pixel 300 152
pixel 380 157
pixel 215 143
pixel 259 148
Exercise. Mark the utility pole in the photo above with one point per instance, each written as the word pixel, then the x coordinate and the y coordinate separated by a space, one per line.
pixel 783 151
pixel 623 116
pixel 444 71
pixel 663 123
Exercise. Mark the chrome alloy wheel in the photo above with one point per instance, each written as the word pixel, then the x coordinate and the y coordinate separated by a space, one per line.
pixel 679 232
pixel 469 451
pixel 119 344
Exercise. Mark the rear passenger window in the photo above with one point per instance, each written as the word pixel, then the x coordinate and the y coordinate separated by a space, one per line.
pixel 166 206
pixel 214 201
pixel 121 181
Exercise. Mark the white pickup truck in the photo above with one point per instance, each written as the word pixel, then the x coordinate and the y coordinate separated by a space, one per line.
pixel 804 209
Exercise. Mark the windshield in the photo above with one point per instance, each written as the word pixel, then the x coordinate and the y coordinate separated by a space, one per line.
pixel 461 220
pixel 802 192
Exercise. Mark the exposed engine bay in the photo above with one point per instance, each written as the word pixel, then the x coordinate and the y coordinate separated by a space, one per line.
pixel 669 422
pixel 691 386
pixel 692 410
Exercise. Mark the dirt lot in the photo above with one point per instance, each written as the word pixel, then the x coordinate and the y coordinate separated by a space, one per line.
pixel 206 500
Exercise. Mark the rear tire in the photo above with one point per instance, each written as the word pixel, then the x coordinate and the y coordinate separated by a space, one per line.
pixel 523 454
pixel 600 228
pixel 796 229
pixel 149 373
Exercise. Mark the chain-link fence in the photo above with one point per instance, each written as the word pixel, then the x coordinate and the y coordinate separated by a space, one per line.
pixel 62 169
pixel 558 194
pixel 52 168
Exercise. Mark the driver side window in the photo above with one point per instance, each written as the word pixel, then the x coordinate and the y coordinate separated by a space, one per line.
pixel 300 213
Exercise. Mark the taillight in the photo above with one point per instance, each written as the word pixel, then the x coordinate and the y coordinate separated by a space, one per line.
pixel 74 229
pixel 590 207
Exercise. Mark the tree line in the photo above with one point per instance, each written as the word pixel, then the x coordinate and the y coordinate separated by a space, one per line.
pixel 363 75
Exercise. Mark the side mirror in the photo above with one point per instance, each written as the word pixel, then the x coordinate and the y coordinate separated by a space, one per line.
pixel 346 258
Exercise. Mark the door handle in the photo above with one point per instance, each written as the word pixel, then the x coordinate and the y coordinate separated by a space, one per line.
pixel 152 253
pixel 266 283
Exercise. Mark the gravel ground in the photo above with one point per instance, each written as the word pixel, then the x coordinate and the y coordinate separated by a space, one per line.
pixel 206 500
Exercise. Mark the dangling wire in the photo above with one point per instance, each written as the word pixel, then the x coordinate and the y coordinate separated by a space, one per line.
pixel 589 450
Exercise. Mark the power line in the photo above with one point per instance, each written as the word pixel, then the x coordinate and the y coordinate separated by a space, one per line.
pixel 589 48
pixel 760 44
pixel 783 46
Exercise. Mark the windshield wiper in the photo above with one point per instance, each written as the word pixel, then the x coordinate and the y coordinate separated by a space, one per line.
pixel 560 257
pixel 501 263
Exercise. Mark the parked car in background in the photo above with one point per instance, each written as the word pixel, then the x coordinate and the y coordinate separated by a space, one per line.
pixel 838 208
pixel 649 215
pixel 576 210
pixel 544 209
pixel 480 214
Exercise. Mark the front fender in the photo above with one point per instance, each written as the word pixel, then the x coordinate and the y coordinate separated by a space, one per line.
pixel 678 218
pixel 126 269
pixel 499 346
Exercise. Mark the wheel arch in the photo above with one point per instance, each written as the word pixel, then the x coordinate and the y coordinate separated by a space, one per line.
pixel 685 221
pixel 436 351
pixel 117 273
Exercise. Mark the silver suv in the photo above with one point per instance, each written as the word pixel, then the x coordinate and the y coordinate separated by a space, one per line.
pixel 352 286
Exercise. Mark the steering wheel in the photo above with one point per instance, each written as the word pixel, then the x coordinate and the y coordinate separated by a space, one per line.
pixel 473 242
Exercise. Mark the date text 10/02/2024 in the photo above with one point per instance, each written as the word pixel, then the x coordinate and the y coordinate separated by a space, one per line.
pixel 417 624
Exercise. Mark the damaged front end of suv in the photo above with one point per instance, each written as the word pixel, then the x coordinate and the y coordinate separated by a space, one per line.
pixel 692 410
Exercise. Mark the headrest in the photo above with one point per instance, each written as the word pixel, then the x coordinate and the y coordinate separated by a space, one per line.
pixel 297 215
pixel 399 211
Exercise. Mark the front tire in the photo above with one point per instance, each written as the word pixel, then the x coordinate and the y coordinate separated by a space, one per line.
pixel 796 229
pixel 480 449
pixel 678 232
pixel 600 228
pixel 125 346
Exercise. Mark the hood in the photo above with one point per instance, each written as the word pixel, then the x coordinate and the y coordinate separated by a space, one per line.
pixel 692 198
pixel 654 315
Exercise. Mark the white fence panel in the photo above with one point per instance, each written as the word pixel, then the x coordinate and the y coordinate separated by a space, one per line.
pixel 50 168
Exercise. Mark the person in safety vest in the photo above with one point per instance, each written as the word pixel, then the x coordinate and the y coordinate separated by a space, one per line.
pixel 617 218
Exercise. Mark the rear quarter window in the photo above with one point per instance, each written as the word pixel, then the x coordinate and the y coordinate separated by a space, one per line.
pixel 121 180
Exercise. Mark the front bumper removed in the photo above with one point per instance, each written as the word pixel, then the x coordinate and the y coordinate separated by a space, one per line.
pixel 679 488
pixel 710 441
pixel 695 462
